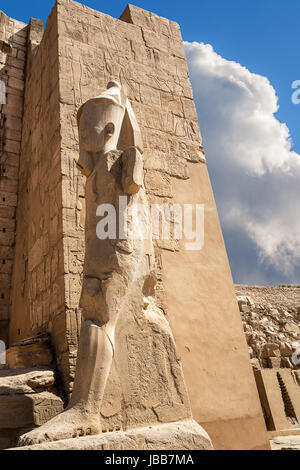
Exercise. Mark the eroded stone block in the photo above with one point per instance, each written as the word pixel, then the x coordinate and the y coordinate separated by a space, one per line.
pixel 20 411
pixel 24 381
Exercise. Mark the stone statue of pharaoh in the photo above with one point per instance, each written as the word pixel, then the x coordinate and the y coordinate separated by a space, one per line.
pixel 116 267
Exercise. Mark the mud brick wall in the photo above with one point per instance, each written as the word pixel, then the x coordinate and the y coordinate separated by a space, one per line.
pixel 13 36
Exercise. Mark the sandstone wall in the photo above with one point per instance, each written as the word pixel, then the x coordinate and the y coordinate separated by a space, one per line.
pixel 13 35
pixel 38 302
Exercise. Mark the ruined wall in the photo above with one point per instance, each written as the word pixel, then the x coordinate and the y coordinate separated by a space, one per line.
pixel 271 320
pixel 284 298
pixel 13 35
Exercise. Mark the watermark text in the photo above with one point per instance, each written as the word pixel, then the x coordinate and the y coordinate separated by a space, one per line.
pixel 157 221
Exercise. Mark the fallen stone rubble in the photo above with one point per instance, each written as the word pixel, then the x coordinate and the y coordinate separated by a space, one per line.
pixel 272 331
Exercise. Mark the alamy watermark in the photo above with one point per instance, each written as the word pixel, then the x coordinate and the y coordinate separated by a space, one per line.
pixel 157 221
pixel 296 93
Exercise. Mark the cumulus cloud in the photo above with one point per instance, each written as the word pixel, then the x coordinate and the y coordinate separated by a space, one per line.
pixel 254 171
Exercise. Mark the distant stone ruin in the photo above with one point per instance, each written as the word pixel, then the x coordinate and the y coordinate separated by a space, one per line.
pixel 271 320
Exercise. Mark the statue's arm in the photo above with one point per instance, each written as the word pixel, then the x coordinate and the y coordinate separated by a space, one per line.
pixel 85 163
pixel 132 170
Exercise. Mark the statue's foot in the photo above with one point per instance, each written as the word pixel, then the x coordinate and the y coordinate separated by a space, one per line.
pixel 68 424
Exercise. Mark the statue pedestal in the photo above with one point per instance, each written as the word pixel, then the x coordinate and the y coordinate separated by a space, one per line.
pixel 181 435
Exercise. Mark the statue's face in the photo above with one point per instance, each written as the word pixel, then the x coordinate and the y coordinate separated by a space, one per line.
pixel 99 125
pixel 91 127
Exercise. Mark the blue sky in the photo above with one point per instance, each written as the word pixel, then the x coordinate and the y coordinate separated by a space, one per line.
pixel 254 170
pixel 263 35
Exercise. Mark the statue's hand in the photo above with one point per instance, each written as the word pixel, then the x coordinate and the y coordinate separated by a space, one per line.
pixel 132 173
pixel 85 163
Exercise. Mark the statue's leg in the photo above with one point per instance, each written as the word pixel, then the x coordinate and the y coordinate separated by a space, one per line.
pixel 95 354
pixel 82 415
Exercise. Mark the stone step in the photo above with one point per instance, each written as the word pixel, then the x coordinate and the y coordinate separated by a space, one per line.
pixel 20 411
pixel 180 435
pixel 28 399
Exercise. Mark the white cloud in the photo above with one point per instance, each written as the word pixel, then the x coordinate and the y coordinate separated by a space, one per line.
pixel 254 171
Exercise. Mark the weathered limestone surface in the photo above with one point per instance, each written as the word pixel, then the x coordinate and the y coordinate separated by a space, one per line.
pixel 13 35
pixel 185 435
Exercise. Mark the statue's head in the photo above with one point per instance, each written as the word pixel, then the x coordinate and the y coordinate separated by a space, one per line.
pixel 100 120
pixel 106 123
